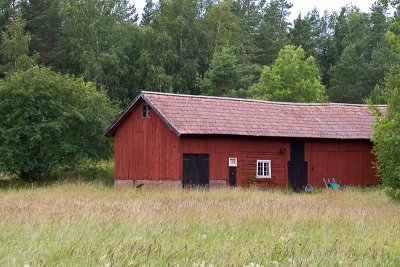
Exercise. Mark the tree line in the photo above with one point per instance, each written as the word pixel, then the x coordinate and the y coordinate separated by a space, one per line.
pixel 211 47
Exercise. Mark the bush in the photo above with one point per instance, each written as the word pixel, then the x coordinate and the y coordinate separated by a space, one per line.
pixel 50 121
pixel 387 139
pixel 101 172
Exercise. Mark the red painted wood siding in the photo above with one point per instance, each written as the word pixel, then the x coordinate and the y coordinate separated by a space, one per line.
pixel 350 162
pixel 247 151
pixel 145 148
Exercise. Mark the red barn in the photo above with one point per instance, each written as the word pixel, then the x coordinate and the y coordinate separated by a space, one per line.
pixel 174 140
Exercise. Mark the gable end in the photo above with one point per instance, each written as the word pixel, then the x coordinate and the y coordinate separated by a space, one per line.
pixel 110 131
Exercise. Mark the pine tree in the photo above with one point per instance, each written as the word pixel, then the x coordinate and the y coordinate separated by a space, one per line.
pixel 272 34
pixel 350 77
pixel 148 13
pixel 223 74
pixel 302 34
pixel 45 26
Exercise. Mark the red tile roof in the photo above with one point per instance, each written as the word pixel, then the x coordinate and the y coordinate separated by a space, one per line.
pixel 200 115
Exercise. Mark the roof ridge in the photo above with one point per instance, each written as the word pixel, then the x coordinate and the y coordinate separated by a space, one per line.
pixel 259 101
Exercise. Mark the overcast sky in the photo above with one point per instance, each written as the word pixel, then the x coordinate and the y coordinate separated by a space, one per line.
pixel 303 6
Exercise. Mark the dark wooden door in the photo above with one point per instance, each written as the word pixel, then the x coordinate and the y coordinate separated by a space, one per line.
pixel 297 167
pixel 195 170
pixel 232 176
pixel 298 172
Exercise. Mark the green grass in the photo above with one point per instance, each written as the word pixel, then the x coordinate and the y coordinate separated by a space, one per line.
pixel 84 224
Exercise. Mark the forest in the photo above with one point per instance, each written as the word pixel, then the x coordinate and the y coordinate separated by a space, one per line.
pixel 238 48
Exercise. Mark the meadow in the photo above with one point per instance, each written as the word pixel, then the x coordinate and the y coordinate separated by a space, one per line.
pixel 83 224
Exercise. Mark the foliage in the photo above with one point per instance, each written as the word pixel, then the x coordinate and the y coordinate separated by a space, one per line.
pixel 175 45
pixel 15 47
pixel 291 78
pixel 226 75
pixel 302 34
pixel 44 24
pixel 387 137
pixel 349 77
pixel 176 42
pixel 50 121
pixel 98 172
pixel 96 36
pixel 148 13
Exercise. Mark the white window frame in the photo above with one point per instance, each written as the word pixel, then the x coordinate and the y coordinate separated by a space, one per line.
pixel 265 169
pixel 232 162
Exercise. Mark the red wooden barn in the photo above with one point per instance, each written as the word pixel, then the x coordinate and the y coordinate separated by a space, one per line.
pixel 174 140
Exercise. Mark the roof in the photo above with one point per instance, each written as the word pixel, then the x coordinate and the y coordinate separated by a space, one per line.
pixel 203 115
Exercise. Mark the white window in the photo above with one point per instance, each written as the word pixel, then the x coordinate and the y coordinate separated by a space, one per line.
pixel 146 111
pixel 263 169
pixel 232 162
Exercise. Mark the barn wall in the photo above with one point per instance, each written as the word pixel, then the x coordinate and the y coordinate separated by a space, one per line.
pixel 350 162
pixel 247 151
pixel 146 149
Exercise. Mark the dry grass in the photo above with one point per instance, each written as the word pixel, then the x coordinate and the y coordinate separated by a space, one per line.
pixel 82 224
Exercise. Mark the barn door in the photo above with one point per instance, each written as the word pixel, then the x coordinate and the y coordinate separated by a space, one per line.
pixel 297 174
pixel 297 167
pixel 195 170
pixel 232 176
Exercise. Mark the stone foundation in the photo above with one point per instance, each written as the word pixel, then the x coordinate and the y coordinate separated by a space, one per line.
pixel 218 183
pixel 161 183
pixel 124 183
pixel 158 183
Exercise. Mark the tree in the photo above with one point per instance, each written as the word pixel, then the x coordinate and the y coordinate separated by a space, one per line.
pixel 175 44
pixel 223 74
pixel 383 59
pixel 7 11
pixel 292 78
pixel 272 34
pixel 386 137
pixel 350 77
pixel 96 35
pixel 221 27
pixel 50 121
pixel 148 13
pixel 302 35
pixel 15 46
pixel 378 24
pixel 44 24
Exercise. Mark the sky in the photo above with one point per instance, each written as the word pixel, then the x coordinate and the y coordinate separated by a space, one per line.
pixel 302 6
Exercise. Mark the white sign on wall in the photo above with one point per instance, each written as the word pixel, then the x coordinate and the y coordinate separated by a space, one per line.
pixel 232 162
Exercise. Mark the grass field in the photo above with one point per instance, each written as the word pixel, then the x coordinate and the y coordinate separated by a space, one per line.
pixel 84 224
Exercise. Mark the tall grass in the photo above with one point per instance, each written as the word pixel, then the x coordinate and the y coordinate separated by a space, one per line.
pixel 83 224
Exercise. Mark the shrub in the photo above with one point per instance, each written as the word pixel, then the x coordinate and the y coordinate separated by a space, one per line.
pixel 50 121
pixel 387 139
